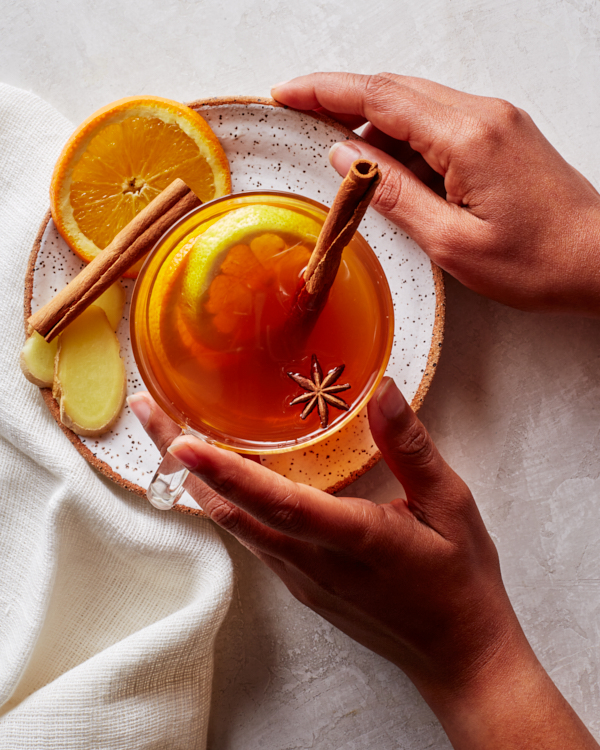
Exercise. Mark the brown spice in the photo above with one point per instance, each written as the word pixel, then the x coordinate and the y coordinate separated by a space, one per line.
pixel 131 244
pixel 348 208
pixel 320 391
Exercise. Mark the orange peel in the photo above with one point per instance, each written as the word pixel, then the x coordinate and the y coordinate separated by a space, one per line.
pixel 122 157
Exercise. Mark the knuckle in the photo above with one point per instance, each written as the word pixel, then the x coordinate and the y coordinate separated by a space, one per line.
pixel 416 445
pixel 227 481
pixel 163 440
pixel 162 443
pixel 389 192
pixel 499 119
pixel 161 435
pixel 224 514
pixel 367 545
pixel 285 514
pixel 525 118
pixel 224 484
pixel 378 86
pixel 505 113
pixel 394 77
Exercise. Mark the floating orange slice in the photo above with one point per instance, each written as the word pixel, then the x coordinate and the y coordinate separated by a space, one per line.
pixel 165 320
pixel 242 263
pixel 121 158
pixel 231 293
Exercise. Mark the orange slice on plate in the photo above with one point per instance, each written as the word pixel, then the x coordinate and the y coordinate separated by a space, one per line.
pixel 121 158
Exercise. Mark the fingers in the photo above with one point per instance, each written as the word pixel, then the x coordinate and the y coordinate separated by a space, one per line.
pixel 157 424
pixel 434 492
pixel 409 109
pixel 262 541
pixel 269 511
pixel 435 224
pixel 402 152
pixel 350 121
pixel 294 510
pixel 420 116
pixel 162 431
pixel 311 91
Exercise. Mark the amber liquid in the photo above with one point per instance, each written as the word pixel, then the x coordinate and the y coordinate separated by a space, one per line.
pixel 224 372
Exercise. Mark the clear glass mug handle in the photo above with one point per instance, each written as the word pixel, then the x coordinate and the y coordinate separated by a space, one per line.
pixel 166 486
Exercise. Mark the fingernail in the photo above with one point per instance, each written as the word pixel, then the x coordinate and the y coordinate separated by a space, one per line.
pixel 390 401
pixel 184 454
pixel 341 156
pixel 278 86
pixel 140 407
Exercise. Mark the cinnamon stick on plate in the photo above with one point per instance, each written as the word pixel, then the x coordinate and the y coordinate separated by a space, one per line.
pixel 349 206
pixel 131 244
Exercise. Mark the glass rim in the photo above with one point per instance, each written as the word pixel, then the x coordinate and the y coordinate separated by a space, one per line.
pixel 236 444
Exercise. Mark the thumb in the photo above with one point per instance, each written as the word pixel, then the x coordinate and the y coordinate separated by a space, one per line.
pixel 432 487
pixel 435 224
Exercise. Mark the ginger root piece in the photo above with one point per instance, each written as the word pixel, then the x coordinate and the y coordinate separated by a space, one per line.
pixel 37 360
pixel 89 374
pixel 112 301
pixel 37 355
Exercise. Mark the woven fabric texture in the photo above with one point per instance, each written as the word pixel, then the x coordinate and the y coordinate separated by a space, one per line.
pixel 108 608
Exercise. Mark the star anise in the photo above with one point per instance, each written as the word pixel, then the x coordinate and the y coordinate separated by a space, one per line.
pixel 320 391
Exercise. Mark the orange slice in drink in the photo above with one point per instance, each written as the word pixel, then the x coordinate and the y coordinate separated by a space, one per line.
pixel 121 158
pixel 231 294
pixel 241 246
pixel 230 301
pixel 242 263
pixel 165 319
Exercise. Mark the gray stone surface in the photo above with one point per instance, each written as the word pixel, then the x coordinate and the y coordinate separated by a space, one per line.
pixel 515 404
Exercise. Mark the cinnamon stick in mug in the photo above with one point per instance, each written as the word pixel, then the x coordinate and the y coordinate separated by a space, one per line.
pixel 348 208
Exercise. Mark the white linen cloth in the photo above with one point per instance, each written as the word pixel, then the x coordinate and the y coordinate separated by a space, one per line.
pixel 108 608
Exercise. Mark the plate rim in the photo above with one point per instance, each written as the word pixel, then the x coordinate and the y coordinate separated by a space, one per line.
pixel 429 371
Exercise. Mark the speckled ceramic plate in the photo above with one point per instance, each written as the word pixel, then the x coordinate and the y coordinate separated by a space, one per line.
pixel 272 148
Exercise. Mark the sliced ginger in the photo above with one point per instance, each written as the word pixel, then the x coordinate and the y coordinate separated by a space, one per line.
pixel 89 374
pixel 37 356
pixel 37 360
pixel 112 301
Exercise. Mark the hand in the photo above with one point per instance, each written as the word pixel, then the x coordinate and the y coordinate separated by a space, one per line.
pixel 474 182
pixel 417 581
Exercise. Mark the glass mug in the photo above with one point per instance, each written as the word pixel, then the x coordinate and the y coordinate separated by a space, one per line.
pixel 213 347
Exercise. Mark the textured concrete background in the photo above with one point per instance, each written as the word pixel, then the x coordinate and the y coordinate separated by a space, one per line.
pixel 515 405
